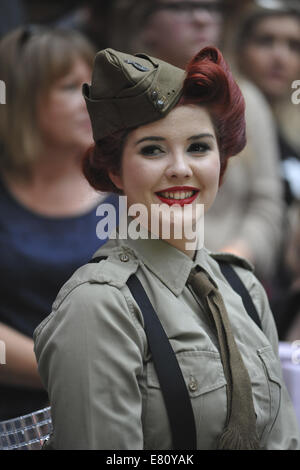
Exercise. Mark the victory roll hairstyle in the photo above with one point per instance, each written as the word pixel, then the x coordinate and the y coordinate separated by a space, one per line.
pixel 208 83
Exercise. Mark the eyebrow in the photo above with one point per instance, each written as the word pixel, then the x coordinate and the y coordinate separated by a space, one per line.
pixel 152 137
pixel 156 138
pixel 200 136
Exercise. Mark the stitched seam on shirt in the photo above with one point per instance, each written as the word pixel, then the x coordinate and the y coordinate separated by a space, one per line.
pixel 43 324
pixel 57 305
pixel 132 311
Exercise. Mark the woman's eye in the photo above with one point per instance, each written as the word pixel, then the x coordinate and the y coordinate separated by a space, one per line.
pixel 264 41
pixel 69 86
pixel 198 147
pixel 294 46
pixel 151 151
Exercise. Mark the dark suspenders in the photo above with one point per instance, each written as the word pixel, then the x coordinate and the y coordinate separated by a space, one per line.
pixel 238 286
pixel 172 383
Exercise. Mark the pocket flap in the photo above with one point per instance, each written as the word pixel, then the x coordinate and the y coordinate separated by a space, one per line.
pixel 271 363
pixel 202 372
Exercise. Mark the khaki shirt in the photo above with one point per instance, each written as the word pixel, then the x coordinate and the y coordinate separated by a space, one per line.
pixel 94 360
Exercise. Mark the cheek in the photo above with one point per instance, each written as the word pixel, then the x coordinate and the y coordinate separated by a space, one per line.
pixel 54 116
pixel 294 69
pixel 134 176
pixel 212 172
pixel 255 59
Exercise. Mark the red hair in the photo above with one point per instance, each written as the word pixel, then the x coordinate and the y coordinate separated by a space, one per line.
pixel 208 83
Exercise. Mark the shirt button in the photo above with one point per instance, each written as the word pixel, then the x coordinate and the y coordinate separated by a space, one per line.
pixel 124 258
pixel 193 384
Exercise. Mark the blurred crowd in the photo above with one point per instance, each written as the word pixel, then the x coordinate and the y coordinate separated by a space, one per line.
pixel 47 217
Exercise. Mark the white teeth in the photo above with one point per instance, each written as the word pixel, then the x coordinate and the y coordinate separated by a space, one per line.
pixel 177 194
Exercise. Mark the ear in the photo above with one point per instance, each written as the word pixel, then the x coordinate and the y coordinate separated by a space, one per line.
pixel 116 179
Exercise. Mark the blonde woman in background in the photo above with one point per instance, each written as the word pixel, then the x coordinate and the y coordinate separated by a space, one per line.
pixel 47 209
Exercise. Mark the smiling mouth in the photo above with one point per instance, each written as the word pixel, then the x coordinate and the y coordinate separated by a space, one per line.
pixel 177 197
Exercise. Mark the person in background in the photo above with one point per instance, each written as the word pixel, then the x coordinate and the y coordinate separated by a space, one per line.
pixel 90 17
pixel 267 48
pixel 288 315
pixel 47 210
pixel 268 53
pixel 249 204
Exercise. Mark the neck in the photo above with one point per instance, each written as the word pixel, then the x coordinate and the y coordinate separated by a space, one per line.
pixel 56 185
pixel 277 100
pixel 181 245
pixel 176 236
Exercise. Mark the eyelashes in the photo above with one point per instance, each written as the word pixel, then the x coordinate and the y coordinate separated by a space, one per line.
pixel 156 150
pixel 151 150
pixel 199 147
pixel 270 41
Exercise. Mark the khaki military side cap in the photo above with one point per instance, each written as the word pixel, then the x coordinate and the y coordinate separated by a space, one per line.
pixel 128 91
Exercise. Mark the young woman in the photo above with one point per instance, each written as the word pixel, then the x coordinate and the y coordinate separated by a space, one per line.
pixel 148 346
pixel 268 46
pixel 246 218
pixel 47 210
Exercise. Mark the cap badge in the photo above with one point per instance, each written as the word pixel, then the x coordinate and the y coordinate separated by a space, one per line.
pixel 136 65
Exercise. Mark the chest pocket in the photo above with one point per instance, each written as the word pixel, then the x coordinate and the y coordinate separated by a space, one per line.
pixel 267 392
pixel 206 385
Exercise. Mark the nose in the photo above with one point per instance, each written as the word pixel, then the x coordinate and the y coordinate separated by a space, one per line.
pixel 179 167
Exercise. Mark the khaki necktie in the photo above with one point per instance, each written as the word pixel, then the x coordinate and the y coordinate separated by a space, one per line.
pixel 240 429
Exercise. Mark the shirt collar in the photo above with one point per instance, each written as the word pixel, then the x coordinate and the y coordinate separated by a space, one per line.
pixel 169 264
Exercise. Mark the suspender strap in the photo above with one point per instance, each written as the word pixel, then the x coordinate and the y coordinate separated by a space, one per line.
pixel 173 387
pixel 237 285
pixel 172 384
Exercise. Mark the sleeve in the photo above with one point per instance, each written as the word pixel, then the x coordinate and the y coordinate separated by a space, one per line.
pixel 285 432
pixel 262 223
pixel 90 356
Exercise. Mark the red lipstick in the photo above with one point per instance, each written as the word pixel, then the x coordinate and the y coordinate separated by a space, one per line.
pixel 180 202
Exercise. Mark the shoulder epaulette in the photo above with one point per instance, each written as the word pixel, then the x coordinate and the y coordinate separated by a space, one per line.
pixel 225 262
pixel 233 259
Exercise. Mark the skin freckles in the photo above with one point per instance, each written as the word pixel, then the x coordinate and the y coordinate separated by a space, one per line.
pixel 178 151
